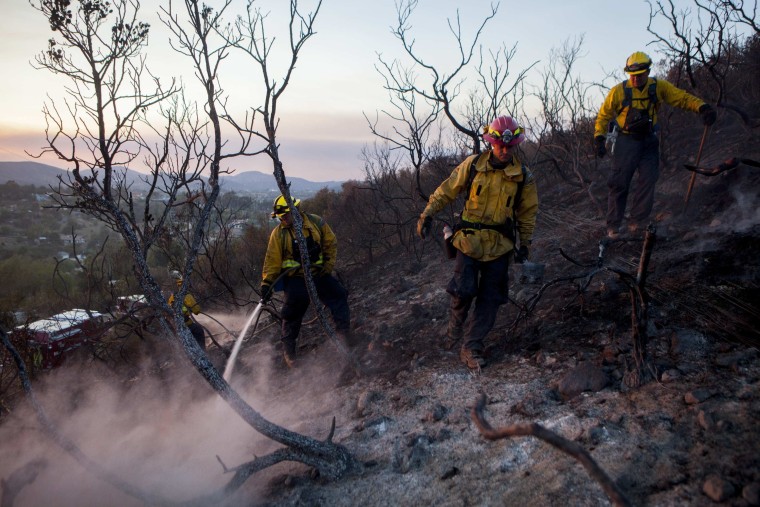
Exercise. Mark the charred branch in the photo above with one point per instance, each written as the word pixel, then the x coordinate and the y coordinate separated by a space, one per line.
pixel 727 165
pixel 572 449
pixel 19 479
pixel 642 368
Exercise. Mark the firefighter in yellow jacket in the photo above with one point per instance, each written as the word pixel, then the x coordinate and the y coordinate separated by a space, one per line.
pixel 500 209
pixel 629 113
pixel 283 253
pixel 190 305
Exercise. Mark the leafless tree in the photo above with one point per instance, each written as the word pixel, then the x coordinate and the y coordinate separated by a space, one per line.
pixel 420 92
pixel 705 40
pixel 565 123
pixel 100 50
pixel 441 88
pixel 410 125
pixel 249 35
pixel 477 413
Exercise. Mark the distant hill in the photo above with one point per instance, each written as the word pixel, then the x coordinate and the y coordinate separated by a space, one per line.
pixel 43 175
pixel 29 173
pixel 255 181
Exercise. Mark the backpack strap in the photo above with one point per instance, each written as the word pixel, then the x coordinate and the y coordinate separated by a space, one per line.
pixel 628 95
pixel 520 185
pixel 471 174
pixel 653 93
pixel 316 220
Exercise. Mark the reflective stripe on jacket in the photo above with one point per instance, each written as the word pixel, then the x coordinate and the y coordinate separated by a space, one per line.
pixel 490 202
pixel 613 108
pixel 280 256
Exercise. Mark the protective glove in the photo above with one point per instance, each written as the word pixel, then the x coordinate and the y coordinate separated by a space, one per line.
pixel 424 224
pixel 599 148
pixel 521 255
pixel 709 115
pixel 266 292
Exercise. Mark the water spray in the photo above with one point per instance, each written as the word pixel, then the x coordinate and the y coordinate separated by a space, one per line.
pixel 253 320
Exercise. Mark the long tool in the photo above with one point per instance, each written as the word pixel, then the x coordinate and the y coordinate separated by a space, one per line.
pixel 694 174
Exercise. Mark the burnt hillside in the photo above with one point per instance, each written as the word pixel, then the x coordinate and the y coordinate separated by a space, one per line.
pixel 687 436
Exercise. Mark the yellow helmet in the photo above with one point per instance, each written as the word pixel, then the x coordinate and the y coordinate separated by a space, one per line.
pixel 177 276
pixel 280 206
pixel 638 63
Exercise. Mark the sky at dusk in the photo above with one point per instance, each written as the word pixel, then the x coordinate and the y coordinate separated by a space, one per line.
pixel 322 129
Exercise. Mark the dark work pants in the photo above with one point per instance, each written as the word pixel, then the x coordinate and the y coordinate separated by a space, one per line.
pixel 633 155
pixel 198 334
pixel 485 283
pixel 330 292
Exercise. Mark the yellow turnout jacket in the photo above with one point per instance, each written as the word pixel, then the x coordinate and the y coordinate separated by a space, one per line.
pixel 613 108
pixel 280 255
pixel 189 305
pixel 491 201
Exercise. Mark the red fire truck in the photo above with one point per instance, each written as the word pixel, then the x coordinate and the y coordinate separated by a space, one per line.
pixel 55 337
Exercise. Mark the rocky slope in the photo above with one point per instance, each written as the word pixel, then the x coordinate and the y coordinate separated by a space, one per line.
pixel 687 435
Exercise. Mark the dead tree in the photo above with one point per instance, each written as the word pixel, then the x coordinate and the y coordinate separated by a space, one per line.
pixel 99 50
pixel 642 368
pixel 492 93
pixel 249 36
pixel 564 125
pixel 616 496
pixel 705 40
pixel 724 166
pixel 410 124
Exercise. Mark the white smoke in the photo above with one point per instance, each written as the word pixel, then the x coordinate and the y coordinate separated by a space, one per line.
pixel 163 435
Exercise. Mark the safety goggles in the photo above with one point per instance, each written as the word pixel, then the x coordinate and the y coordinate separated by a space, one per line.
pixel 280 212
pixel 637 68
pixel 505 136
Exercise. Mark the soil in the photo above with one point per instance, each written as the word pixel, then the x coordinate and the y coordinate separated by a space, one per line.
pixel 687 435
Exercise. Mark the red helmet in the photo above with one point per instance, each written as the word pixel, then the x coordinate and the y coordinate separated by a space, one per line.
pixel 504 130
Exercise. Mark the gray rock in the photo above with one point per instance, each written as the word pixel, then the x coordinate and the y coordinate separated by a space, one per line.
pixel 437 413
pixel 697 396
pixel 411 456
pixel 449 473
pixel 718 489
pixel 379 425
pixel 688 344
pixel 365 400
pixel 706 420
pixel 670 375
pixel 751 493
pixel 734 359
pixel 584 377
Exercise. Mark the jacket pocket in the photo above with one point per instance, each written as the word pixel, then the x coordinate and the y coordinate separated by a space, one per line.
pixel 468 242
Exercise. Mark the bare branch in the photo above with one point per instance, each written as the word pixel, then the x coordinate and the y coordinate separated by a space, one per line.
pixel 617 497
